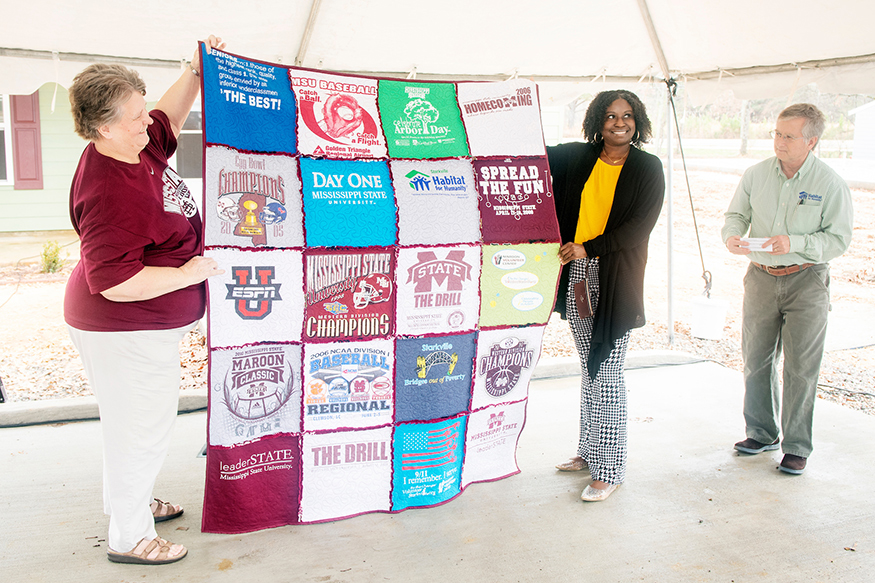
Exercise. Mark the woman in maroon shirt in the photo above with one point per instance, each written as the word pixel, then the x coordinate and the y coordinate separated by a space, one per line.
pixel 137 290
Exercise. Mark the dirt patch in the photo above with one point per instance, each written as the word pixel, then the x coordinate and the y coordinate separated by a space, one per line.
pixel 846 375
pixel 38 361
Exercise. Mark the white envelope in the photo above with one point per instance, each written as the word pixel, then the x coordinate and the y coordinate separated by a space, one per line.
pixel 756 243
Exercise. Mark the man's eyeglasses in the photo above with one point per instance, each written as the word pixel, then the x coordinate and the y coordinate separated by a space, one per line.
pixel 776 135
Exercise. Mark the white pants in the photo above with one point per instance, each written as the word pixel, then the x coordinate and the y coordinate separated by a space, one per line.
pixel 135 377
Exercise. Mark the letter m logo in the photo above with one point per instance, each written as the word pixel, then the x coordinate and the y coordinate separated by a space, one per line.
pixel 452 271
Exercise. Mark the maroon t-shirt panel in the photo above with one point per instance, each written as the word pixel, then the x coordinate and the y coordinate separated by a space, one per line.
pixel 130 216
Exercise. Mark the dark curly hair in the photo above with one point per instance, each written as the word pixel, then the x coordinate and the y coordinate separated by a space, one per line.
pixel 595 116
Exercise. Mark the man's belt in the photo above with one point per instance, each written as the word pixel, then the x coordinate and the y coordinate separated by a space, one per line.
pixel 782 269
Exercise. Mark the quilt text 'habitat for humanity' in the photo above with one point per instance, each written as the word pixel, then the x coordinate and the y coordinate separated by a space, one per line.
pixel 390 256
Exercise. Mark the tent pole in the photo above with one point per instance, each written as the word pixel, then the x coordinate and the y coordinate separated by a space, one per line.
pixel 308 32
pixel 654 38
pixel 669 222
pixel 663 65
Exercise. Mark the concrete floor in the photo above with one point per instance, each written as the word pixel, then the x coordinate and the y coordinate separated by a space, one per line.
pixel 691 509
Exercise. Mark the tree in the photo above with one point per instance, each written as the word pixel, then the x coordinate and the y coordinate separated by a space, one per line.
pixel 423 111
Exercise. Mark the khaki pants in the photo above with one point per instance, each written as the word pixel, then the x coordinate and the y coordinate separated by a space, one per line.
pixel 783 313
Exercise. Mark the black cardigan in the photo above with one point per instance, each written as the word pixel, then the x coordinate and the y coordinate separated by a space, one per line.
pixel 622 249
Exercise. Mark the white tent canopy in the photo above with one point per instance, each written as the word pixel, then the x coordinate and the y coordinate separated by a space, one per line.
pixel 757 48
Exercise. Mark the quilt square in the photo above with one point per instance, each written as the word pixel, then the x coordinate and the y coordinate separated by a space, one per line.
pixel 390 249
pixel 490 447
pixel 518 284
pixel 254 392
pixel 258 298
pixel 502 119
pixel 421 120
pixel 437 202
pixel 253 486
pixel 427 462
pixel 251 200
pixel 349 294
pixel 506 358
pixel 433 376
pixel 337 116
pixel 252 109
pixel 348 203
pixel 438 289
pixel 516 204
pixel 348 385
pixel 346 473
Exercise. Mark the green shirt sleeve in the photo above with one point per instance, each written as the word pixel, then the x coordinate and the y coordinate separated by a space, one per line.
pixel 833 235
pixel 737 217
pixel 813 209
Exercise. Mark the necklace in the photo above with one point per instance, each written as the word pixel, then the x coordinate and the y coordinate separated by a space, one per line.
pixel 617 161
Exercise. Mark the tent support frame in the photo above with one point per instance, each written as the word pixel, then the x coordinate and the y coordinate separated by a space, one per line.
pixel 619 79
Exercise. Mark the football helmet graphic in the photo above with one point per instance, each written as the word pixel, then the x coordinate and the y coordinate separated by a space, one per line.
pixel 371 289
pixel 273 212
pixel 227 209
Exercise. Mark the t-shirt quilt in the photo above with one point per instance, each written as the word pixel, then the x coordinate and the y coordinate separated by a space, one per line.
pixel 255 199
pixel 437 201
pixel 390 256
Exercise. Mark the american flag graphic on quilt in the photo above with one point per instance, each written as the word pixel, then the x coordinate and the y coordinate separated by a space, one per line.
pixel 390 249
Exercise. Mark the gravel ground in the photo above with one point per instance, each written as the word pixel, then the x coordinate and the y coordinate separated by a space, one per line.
pixel 38 361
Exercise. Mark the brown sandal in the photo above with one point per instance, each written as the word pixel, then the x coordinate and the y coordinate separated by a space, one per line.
pixel 156 552
pixel 165 511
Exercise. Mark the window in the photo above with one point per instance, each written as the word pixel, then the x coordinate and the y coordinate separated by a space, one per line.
pixel 189 152
pixel 188 161
pixel 5 142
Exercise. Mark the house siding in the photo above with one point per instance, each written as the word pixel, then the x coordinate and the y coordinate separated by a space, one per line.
pixel 46 209
pixel 864 133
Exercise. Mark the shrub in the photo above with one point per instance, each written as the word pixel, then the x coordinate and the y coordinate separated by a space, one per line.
pixel 51 261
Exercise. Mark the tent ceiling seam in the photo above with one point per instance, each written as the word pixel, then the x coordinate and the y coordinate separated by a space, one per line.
pixel 88 58
pixel 690 76
pixel 783 68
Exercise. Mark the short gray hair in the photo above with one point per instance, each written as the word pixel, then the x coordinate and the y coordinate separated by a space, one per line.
pixel 97 94
pixel 815 121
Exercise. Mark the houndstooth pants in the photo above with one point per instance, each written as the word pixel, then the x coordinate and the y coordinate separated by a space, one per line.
pixel 603 400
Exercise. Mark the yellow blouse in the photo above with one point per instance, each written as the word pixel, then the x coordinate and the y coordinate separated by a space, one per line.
pixel 596 201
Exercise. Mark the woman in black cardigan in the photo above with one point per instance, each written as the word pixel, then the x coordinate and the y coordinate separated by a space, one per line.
pixel 608 196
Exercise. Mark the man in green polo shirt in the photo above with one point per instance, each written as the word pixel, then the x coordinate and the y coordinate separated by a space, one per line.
pixel 797 214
